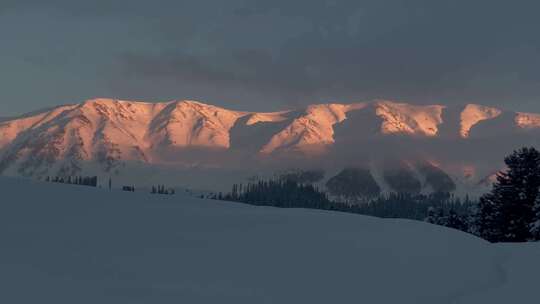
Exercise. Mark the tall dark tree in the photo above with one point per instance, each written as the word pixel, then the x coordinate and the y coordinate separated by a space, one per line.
pixel 453 220
pixel 505 214
pixel 432 217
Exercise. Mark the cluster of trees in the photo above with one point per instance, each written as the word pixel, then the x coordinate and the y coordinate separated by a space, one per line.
pixel 509 213
pixel 416 206
pixel 161 189
pixel 280 192
pixel 91 181
pixel 451 218
pixel 288 193
pixel 440 208
pixel 128 188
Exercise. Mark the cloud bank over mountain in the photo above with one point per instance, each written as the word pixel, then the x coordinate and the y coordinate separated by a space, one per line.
pixel 265 56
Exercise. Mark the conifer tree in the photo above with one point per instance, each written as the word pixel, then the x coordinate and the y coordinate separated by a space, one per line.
pixel 535 223
pixel 453 220
pixel 441 219
pixel 431 216
pixel 506 213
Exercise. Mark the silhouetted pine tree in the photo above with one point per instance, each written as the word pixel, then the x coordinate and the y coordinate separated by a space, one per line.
pixel 453 220
pixel 506 213
pixel 432 217
pixel 534 227
pixel 161 189
pixel 441 219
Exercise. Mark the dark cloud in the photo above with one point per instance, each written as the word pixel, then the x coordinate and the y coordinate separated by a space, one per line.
pixel 421 52
pixel 269 54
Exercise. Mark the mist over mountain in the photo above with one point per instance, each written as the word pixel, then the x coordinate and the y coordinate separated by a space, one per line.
pixel 403 147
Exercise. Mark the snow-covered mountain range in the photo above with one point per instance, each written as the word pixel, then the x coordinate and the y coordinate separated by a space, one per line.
pixel 113 137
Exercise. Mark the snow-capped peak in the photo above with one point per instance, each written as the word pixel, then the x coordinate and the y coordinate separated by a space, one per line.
pixel 473 114
pixel 311 130
pixel 409 119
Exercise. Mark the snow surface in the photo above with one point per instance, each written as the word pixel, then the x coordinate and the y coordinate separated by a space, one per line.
pixel 517 282
pixel 73 244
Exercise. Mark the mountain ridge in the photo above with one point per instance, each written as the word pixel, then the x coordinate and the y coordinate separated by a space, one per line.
pixel 104 135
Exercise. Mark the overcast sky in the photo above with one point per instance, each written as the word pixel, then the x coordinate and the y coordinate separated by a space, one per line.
pixel 269 54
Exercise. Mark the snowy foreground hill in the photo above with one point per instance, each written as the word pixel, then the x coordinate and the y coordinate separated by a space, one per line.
pixel 72 244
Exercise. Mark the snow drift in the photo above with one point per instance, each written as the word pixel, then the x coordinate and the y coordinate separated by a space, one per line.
pixel 72 244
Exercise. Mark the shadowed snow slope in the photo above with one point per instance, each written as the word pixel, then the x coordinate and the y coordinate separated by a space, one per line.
pixel 72 244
